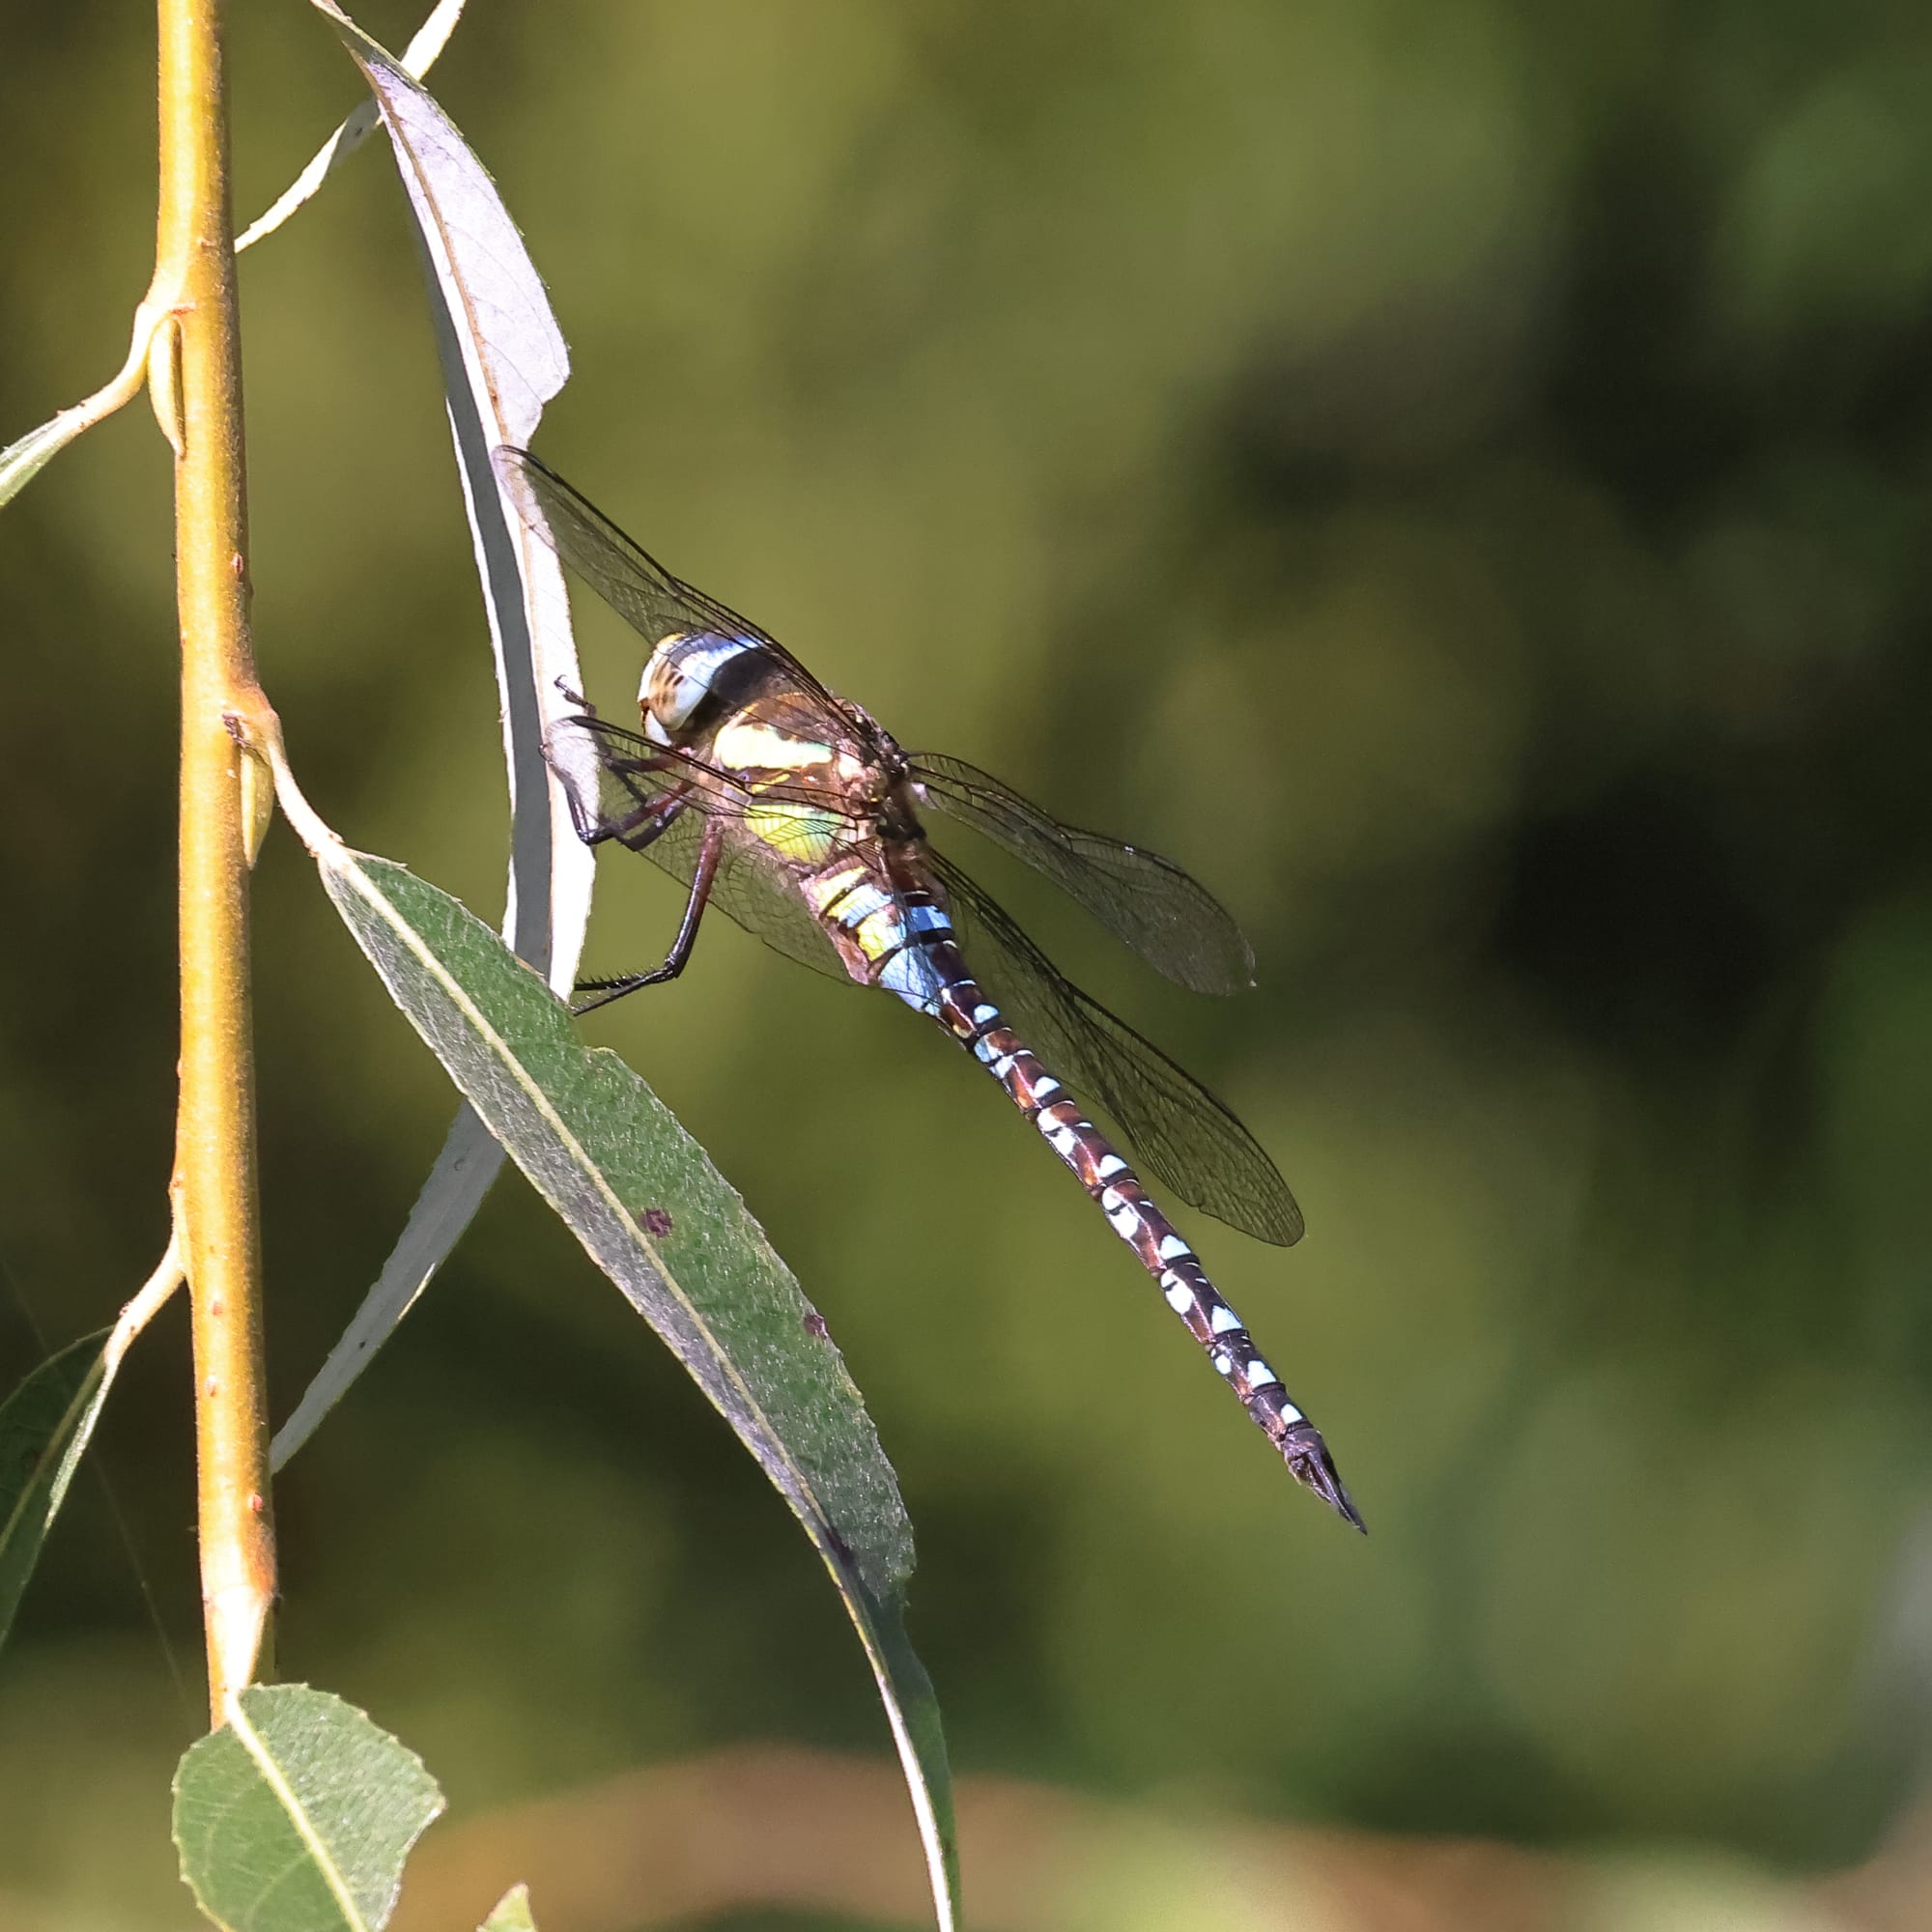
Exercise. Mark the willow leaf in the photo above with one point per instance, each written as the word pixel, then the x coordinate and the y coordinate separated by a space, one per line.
pixel 676 1239
pixel 44 1426
pixel 297 1814
pixel 503 358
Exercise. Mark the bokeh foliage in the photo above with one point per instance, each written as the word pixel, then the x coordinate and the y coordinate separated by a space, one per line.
pixel 1453 476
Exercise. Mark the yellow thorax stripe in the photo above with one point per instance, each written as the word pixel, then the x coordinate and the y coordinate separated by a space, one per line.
pixel 747 747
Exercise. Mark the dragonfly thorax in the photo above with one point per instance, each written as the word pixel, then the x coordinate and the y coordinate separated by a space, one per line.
pixel 726 701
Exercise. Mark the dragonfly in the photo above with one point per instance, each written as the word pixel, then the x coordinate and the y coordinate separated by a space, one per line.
pixel 797 815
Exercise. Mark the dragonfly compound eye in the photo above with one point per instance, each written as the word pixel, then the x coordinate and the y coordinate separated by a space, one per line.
pixel 682 672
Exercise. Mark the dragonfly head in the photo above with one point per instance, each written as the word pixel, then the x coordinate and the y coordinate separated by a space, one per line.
pixel 694 676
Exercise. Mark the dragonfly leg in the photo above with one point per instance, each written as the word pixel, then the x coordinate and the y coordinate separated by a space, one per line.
pixel 650 815
pixel 603 991
pixel 647 825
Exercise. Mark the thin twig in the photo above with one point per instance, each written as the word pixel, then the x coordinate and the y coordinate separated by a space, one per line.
pixel 215 1199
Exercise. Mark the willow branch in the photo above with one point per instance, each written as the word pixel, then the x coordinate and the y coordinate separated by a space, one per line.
pixel 214 1156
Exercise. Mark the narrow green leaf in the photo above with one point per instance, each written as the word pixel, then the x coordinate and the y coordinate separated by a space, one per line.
pixel 503 356
pixel 660 1220
pixel 297 1815
pixel 645 1201
pixel 512 1912
pixel 22 461
pixel 45 1425
pixel 419 57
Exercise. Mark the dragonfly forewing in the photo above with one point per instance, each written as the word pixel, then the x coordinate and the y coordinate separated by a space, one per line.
pixel 1148 903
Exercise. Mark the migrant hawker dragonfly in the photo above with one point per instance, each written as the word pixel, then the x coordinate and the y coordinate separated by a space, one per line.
pixel 796 813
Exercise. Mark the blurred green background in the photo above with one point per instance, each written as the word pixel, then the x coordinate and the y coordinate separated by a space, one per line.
pixel 1454 475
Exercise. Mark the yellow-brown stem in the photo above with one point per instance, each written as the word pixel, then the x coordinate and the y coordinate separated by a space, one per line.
pixel 215 1170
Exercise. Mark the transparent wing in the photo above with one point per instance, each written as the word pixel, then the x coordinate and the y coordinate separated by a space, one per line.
pixel 1182 1135
pixel 654 603
pixel 608 772
pixel 1170 919
pixel 759 896
pixel 623 787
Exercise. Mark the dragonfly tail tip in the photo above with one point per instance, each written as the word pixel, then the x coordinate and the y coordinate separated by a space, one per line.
pixel 1339 1500
pixel 1313 1468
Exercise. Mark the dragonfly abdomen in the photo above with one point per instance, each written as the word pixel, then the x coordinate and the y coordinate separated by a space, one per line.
pixel 963 1009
